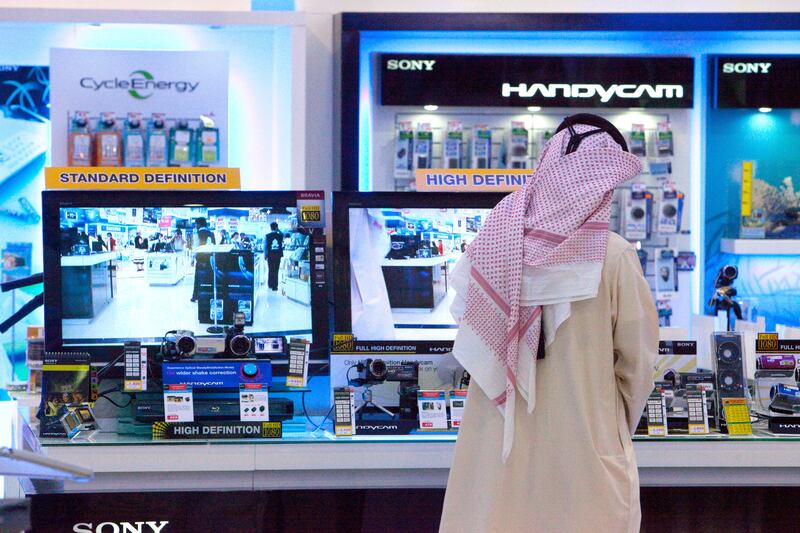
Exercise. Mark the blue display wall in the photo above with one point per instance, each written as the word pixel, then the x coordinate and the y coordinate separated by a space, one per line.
pixel 768 283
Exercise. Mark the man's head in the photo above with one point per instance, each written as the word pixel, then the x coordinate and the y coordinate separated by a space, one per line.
pixel 108 235
pixel 274 226
pixel 200 222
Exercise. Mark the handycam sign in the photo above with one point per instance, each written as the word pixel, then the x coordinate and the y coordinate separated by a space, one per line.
pixel 546 81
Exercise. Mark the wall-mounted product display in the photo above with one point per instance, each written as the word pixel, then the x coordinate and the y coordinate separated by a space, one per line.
pixel 753 218
pixel 139 108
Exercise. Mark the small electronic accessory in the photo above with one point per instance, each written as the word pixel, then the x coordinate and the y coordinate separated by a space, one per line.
pixel 180 144
pixel 77 418
pixel 268 345
pixel 638 144
pixel 156 141
pixel 133 141
pixel 517 153
pixel 454 136
pixel 481 147
pixel 404 149
pixel 776 362
pixel 80 141
pixel 666 280
pixel 664 145
pixel 108 141
pixel 423 146
pixel 237 344
pixel 207 151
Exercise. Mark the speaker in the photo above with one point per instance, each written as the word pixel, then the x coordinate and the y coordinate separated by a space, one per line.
pixel 729 367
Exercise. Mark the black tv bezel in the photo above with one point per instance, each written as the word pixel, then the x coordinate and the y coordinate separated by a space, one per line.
pixel 53 200
pixel 345 200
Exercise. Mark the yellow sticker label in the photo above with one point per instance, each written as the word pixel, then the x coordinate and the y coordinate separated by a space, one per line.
pixel 141 178
pixel 471 179
pixel 747 188
pixel 310 213
pixel 737 416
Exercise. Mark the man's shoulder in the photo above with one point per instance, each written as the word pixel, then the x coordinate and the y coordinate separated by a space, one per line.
pixel 617 245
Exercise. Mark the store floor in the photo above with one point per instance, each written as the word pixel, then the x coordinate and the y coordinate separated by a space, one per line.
pixel 439 316
pixel 140 310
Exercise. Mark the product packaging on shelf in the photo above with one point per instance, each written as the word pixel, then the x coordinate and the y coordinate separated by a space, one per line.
pixel 516 154
pixel 452 145
pixel 638 144
pixel 156 141
pixel 133 141
pixel 108 141
pixel 636 212
pixel 207 151
pixel 664 145
pixel 480 152
pixel 403 150
pixel 423 146
pixel 666 280
pixel 670 209
pixel 180 144
pixel 80 141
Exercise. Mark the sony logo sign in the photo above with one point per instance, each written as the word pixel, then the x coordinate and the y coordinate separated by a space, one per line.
pixel 410 64
pixel 119 527
pixel 746 68
pixel 590 90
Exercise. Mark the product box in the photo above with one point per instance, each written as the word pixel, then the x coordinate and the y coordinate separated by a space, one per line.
pixel 636 212
pixel 66 380
pixel 638 140
pixel 481 147
pixel 516 154
pixel 664 145
pixel 454 136
pixel 403 150
pixel 670 209
pixel 423 146
pixel 676 357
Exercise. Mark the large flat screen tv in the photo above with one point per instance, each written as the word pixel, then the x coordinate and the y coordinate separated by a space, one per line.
pixel 393 255
pixel 133 265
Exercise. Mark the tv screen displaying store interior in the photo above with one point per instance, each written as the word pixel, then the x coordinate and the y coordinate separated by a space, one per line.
pixel 394 254
pixel 134 265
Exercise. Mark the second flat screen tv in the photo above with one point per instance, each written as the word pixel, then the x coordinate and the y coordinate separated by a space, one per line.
pixel 394 253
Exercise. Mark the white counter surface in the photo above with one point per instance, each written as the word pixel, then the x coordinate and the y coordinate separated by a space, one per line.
pixel 87 260
pixel 419 461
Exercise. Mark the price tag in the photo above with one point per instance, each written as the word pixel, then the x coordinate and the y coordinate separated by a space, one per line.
pixel 297 376
pixel 178 403
pixel 344 422
pixel 657 414
pixel 737 416
pixel 432 409
pixel 698 412
pixel 458 401
pixel 253 402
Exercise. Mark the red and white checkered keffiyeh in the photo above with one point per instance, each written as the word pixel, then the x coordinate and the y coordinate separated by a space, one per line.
pixel 542 245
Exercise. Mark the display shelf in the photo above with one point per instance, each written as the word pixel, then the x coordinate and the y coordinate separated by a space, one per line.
pixel 760 246
pixel 320 460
